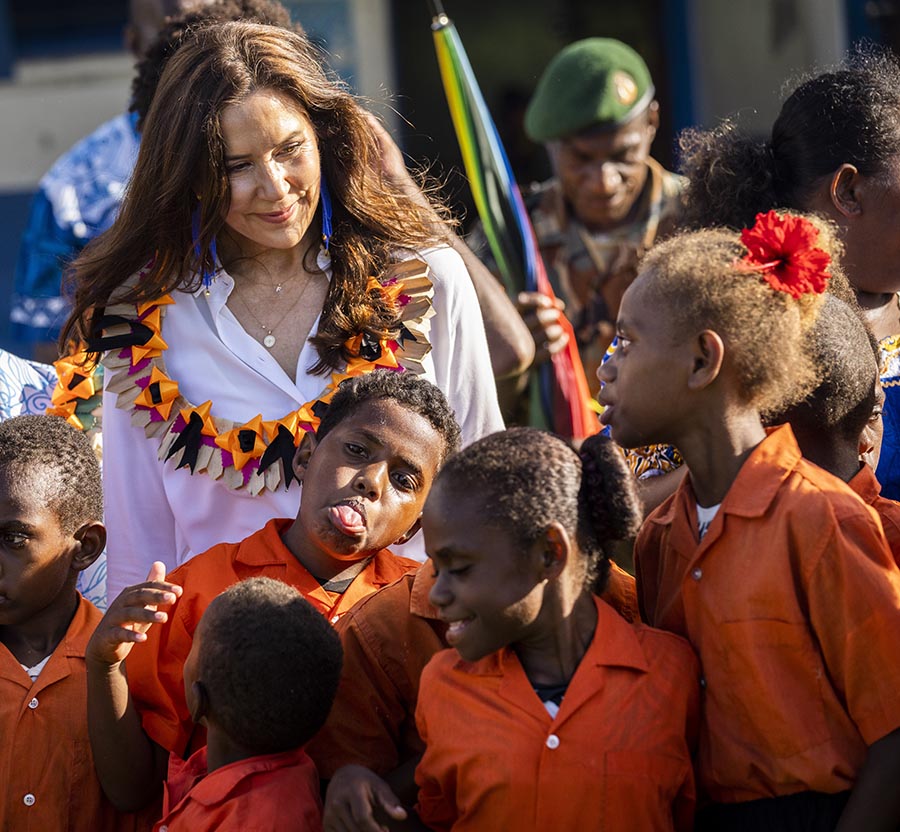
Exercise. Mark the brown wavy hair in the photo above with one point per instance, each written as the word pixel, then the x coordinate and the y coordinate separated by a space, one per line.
pixel 182 157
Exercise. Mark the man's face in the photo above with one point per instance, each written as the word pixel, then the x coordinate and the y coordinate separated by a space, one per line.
pixel 602 172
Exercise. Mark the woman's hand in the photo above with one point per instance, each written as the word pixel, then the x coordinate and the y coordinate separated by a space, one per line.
pixel 134 611
pixel 354 796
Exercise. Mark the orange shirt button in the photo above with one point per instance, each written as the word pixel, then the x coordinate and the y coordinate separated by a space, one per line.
pixel 697 573
pixel 703 682
pixel 552 741
pixel 28 800
pixel 33 704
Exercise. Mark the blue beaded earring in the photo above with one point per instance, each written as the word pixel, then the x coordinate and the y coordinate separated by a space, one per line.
pixel 325 203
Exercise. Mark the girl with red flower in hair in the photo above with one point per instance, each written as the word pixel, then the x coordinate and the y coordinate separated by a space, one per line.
pixel 773 569
pixel 834 149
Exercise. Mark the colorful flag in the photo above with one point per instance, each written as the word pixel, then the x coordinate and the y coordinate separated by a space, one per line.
pixel 561 400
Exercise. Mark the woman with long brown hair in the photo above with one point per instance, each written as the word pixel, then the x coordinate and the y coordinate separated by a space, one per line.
pixel 259 257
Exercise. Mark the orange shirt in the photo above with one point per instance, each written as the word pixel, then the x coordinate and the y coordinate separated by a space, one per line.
pixel 617 756
pixel 792 602
pixel 869 490
pixel 275 792
pixel 388 638
pixel 47 778
pixel 155 667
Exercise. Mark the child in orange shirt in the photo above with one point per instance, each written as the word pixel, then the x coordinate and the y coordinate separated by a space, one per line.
pixel 261 676
pixel 371 733
pixel 777 573
pixel 553 712
pixel 839 425
pixel 365 479
pixel 51 503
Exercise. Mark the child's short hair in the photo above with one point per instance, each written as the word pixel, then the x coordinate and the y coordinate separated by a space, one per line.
pixel 697 284
pixel 847 356
pixel 60 461
pixel 526 479
pixel 410 391
pixel 270 665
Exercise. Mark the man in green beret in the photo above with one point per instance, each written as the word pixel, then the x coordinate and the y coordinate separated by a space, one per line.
pixel 594 110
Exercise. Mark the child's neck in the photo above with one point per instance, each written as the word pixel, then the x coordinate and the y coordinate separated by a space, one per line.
pixel 221 750
pixel 317 562
pixel 715 449
pixel 552 654
pixel 33 640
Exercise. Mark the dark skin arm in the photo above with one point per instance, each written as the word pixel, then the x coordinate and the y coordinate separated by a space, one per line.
pixel 874 804
pixel 130 766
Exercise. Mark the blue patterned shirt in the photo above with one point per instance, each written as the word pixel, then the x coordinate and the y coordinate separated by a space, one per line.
pixel 78 198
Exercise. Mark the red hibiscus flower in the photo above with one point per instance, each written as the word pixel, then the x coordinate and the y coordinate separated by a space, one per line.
pixel 783 248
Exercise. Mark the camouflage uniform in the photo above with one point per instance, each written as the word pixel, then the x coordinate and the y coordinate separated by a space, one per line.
pixel 591 272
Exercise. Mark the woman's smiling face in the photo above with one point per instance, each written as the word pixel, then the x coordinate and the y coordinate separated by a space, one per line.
pixel 272 162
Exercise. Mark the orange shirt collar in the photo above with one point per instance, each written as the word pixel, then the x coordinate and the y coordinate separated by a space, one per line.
pixel 866 485
pixel 73 645
pixel 266 548
pixel 768 466
pixel 614 645
pixel 418 596
pixel 213 789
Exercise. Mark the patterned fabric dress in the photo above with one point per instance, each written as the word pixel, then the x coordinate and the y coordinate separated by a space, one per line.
pixel 888 472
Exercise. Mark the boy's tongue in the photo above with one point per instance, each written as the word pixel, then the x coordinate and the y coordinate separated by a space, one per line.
pixel 348 519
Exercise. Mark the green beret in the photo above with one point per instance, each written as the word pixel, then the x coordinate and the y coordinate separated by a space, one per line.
pixel 597 81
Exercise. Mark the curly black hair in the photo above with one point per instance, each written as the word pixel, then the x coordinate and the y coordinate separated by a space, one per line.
pixel 526 479
pixel 848 115
pixel 409 391
pixel 150 67
pixel 847 356
pixel 269 663
pixel 60 465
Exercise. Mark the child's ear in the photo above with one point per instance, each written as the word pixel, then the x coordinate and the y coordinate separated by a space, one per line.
pixel 198 702
pixel 555 551
pixel 844 191
pixel 410 532
pixel 302 455
pixel 708 355
pixel 91 541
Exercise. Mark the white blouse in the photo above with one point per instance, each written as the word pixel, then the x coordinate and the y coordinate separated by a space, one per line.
pixel 155 512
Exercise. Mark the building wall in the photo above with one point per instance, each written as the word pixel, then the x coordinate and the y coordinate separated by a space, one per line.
pixel 743 53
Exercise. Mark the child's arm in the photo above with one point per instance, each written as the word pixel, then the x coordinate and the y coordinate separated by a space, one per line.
pixel 130 766
pixel 874 804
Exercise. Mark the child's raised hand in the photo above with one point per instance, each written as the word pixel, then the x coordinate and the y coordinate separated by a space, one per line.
pixel 134 611
pixel 354 796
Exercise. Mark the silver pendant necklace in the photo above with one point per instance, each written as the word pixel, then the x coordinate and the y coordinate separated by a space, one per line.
pixel 269 340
